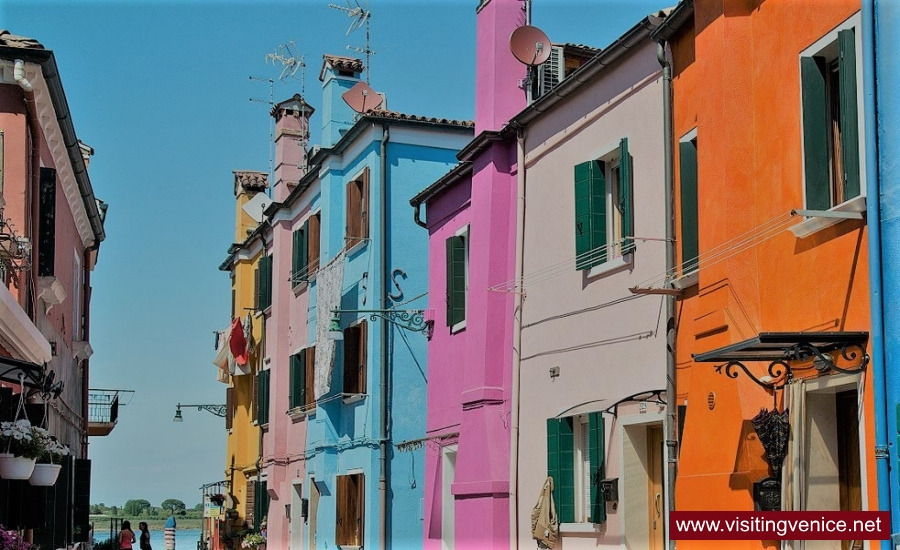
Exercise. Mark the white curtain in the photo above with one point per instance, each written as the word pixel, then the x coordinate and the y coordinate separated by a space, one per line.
pixel 329 283
pixel 793 474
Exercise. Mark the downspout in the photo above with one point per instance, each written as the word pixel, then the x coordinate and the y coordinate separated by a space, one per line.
pixel 417 215
pixel 517 349
pixel 383 340
pixel 873 215
pixel 86 336
pixel 671 406
pixel 31 215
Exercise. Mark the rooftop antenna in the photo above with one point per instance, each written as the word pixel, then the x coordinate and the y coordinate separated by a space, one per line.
pixel 291 62
pixel 361 15
pixel 271 103
pixel 532 47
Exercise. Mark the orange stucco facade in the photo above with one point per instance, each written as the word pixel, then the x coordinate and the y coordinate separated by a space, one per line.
pixel 736 82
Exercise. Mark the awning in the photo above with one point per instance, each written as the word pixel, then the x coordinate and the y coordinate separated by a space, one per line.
pixel 784 349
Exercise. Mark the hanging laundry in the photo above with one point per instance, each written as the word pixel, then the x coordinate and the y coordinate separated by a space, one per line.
pixel 238 343
pixel 248 334
pixel 222 351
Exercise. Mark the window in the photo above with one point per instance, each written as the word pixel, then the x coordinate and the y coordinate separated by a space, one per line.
pixel 260 502
pixel 357 210
pixel 302 376
pixel 575 455
pixel 262 397
pixel 47 223
pixel 603 208
pixel 828 77
pixel 264 283
pixel 305 257
pixel 457 278
pixel 355 338
pixel 229 408
pixel 350 510
pixel 77 284
pixel 690 240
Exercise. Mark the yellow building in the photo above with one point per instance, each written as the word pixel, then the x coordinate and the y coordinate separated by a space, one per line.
pixel 244 264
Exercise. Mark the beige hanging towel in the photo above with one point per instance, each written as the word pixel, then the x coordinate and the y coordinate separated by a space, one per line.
pixel 544 524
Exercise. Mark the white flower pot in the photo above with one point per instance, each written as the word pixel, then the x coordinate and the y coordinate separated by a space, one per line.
pixel 44 475
pixel 15 467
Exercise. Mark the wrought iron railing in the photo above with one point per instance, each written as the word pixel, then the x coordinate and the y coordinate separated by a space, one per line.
pixel 103 405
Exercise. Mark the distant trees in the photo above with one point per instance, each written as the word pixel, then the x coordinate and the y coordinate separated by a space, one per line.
pixel 136 507
pixel 173 506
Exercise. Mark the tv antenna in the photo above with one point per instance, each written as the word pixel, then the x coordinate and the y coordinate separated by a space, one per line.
pixel 361 15
pixel 291 62
pixel 271 103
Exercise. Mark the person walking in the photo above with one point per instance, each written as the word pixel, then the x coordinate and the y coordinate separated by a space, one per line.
pixel 126 536
pixel 145 536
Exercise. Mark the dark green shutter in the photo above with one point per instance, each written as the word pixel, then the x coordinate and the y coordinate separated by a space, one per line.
pixel 82 500
pixel 690 241
pixel 849 112
pixel 625 198
pixel 298 380
pixel 561 466
pixel 590 214
pixel 815 133
pixel 596 454
pixel 456 280
pixel 296 264
pixel 47 223
pixel 260 503
pixel 262 398
pixel 265 282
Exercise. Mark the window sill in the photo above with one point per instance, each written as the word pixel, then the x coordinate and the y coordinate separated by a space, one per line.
pixel 813 225
pixel 686 281
pixel 611 266
pixel 350 398
pixel 355 248
pixel 458 327
pixel 576 528
pixel 298 413
pixel 300 287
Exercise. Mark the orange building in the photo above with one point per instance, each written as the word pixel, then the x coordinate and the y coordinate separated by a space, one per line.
pixel 772 242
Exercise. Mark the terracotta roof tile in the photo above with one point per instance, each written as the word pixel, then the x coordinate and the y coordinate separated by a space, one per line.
pixel 341 63
pixel 13 41
pixel 250 180
pixel 383 113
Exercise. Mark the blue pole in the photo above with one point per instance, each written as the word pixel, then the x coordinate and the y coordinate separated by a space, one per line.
pixel 880 35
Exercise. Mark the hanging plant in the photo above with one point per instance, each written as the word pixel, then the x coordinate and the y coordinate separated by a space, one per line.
pixel 21 439
pixel 53 451
pixel 11 540
pixel 253 540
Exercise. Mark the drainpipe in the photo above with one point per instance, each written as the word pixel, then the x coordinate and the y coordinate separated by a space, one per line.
pixel 30 213
pixel 383 340
pixel 671 406
pixel 873 214
pixel 86 336
pixel 417 215
pixel 19 75
pixel 517 349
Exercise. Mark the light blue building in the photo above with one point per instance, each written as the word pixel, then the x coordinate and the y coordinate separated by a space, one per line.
pixel 362 489
pixel 886 14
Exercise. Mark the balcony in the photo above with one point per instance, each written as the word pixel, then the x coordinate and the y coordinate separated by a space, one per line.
pixel 103 409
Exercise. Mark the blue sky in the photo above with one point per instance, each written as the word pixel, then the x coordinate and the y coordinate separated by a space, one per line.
pixel 161 90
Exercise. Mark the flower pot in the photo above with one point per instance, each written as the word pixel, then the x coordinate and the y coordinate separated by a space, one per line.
pixel 44 475
pixel 15 467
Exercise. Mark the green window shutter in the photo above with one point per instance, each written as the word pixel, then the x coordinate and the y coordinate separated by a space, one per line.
pixel 262 398
pixel 456 280
pixel 298 381
pixel 596 454
pixel 590 214
pixel 561 466
pixel 849 112
pixel 304 252
pixel 690 234
pixel 625 196
pixel 296 264
pixel 815 133
pixel 266 281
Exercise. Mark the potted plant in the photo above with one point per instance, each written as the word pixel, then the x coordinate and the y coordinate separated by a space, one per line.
pixel 20 445
pixel 12 540
pixel 254 541
pixel 49 462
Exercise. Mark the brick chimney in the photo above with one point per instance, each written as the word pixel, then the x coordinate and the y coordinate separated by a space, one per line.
pixel 497 73
pixel 291 143
pixel 338 75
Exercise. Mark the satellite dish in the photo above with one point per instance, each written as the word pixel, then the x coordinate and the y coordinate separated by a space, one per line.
pixel 529 45
pixel 255 206
pixel 362 98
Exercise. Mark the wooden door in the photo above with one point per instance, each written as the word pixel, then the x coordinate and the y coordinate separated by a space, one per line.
pixel 655 501
pixel 847 410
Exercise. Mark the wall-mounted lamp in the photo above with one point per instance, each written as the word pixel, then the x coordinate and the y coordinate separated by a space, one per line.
pixel 218 410
pixel 408 319
pixel 554 372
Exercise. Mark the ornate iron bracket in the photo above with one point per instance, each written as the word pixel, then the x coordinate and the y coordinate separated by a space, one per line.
pixel 33 376
pixel 408 319
pixel 781 372
pixel 218 410
pixel 652 396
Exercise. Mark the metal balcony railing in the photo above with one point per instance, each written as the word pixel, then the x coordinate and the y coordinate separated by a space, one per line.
pixel 103 409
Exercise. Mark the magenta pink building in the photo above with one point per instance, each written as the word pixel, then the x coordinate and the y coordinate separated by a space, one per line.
pixel 470 214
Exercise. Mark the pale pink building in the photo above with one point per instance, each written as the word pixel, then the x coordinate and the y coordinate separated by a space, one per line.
pixel 471 220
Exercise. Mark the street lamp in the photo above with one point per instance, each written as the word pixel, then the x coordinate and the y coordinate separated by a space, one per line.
pixel 218 410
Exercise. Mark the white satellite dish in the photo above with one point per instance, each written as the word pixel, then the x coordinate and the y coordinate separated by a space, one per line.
pixel 255 206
